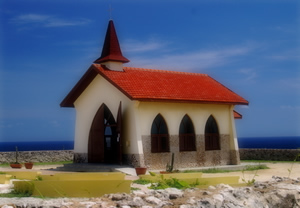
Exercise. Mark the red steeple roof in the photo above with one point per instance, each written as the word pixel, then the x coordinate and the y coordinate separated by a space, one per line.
pixel 111 50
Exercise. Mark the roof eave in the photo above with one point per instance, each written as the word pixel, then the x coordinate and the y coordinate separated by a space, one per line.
pixel 237 115
pixel 105 59
pixel 190 101
pixel 80 86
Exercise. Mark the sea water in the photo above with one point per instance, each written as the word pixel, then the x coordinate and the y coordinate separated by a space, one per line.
pixel 244 142
pixel 36 146
pixel 291 142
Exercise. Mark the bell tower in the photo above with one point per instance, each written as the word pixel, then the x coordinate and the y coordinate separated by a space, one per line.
pixel 112 56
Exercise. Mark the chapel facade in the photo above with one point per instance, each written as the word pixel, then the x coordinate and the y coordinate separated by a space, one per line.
pixel 138 116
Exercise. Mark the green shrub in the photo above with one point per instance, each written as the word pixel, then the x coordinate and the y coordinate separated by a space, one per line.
pixel 142 181
pixel 256 167
pixel 24 188
pixel 172 183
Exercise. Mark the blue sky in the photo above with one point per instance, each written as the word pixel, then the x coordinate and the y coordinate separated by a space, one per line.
pixel 250 46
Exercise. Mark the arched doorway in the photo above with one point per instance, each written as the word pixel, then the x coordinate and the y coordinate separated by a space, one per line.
pixel 104 144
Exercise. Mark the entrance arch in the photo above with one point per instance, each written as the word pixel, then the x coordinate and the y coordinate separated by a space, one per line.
pixel 104 145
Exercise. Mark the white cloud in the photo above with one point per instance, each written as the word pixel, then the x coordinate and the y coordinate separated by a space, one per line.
pixel 4 126
pixel 133 46
pixel 292 83
pixel 55 123
pixel 62 23
pixel 30 18
pixel 292 54
pixel 244 106
pixel 285 57
pixel 249 73
pixel 290 107
pixel 46 21
pixel 194 59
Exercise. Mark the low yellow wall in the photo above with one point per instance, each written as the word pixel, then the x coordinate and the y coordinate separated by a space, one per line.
pixel 231 180
pixel 84 176
pixel 92 188
pixel 28 175
pixel 192 178
pixel 182 176
pixel 4 179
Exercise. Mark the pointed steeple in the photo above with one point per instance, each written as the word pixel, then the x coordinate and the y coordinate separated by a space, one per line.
pixel 111 51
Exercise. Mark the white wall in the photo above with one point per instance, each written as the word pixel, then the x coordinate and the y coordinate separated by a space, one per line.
pixel 98 92
pixel 138 116
pixel 174 112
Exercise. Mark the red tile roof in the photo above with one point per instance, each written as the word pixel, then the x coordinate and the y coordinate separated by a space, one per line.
pixel 159 85
pixel 237 115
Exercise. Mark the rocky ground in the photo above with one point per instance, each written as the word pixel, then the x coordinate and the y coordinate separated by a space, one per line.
pixel 267 191
pixel 277 192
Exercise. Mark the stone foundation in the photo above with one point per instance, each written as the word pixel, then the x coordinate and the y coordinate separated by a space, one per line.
pixel 199 158
pixel 80 157
pixel 135 160
pixel 190 159
pixel 235 157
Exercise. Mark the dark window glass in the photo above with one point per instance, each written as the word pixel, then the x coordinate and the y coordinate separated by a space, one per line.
pixel 187 141
pixel 159 135
pixel 212 137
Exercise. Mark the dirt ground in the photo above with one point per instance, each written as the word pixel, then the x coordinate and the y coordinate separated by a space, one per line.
pixel 276 169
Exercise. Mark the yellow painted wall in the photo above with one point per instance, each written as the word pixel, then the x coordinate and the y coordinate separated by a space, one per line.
pixel 73 188
pixel 4 178
pixel 194 177
pixel 29 175
pixel 182 176
pixel 85 176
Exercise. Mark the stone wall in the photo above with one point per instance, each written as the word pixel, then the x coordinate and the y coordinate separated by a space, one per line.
pixel 270 154
pixel 190 159
pixel 37 156
pixel 213 158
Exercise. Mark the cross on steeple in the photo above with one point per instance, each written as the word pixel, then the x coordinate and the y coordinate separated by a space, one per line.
pixel 110 12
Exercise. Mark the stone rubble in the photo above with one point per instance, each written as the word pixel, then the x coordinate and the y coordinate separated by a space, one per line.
pixel 278 192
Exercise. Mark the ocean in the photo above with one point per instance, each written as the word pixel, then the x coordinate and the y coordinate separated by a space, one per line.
pixel 291 142
pixel 244 142
pixel 36 145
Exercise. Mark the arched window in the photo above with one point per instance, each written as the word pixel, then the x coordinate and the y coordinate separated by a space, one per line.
pixel 159 135
pixel 212 137
pixel 186 135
